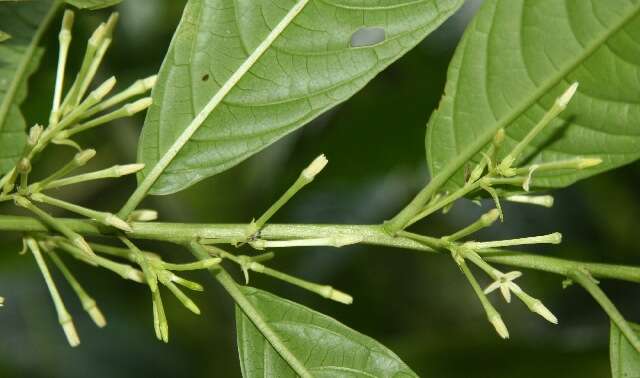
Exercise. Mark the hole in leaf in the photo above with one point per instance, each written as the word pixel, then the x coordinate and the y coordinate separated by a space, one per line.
pixel 367 36
pixel 205 77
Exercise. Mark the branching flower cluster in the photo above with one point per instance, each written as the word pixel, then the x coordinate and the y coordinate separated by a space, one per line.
pixel 499 174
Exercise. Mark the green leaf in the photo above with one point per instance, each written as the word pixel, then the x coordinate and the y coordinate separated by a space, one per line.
pixel 4 36
pixel 19 58
pixel 93 4
pixel 625 360
pixel 325 347
pixel 240 75
pixel 515 58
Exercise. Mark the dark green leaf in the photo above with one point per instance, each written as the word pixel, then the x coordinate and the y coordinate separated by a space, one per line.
pixel 515 58
pixel 93 4
pixel 19 58
pixel 327 53
pixel 625 360
pixel 326 347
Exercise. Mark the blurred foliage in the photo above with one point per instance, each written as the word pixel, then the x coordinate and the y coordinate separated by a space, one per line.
pixel 419 306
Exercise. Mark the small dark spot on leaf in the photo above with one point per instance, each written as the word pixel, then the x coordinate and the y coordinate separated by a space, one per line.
pixel 205 77
pixel 367 36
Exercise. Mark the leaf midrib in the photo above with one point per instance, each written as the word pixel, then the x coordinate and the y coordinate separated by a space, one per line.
pixel 23 67
pixel 451 168
pixel 217 98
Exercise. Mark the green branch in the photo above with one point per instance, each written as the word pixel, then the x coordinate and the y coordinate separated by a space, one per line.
pixel 182 233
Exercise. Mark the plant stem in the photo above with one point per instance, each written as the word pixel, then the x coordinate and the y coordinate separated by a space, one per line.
pixel 592 287
pixel 181 233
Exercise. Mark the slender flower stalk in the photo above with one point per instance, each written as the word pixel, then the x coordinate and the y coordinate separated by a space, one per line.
pixel 505 166
pixel 492 314
pixel 63 315
pixel 484 221
pixel 105 218
pixel 332 241
pixel 64 39
pixel 112 172
pixel 88 303
pixel 306 177
pixel 73 236
pixel 139 87
pixel 125 111
pixel 554 238
pixel 79 160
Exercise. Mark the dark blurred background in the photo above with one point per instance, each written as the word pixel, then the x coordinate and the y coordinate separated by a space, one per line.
pixel 418 305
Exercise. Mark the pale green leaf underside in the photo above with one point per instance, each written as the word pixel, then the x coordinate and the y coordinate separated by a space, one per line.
pixel 20 20
pixel 516 57
pixel 309 68
pixel 326 347
pixel 93 4
pixel 625 360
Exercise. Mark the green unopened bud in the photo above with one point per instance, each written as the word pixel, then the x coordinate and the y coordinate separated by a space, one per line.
pixel 315 167
pixel 1 301
pixel 111 23
pixel 4 36
pixel 99 93
pixel 34 135
pixel 498 324
pixel 544 201
pixel 143 215
pixel 138 106
pixel 94 312
pixel 564 99
pixel 24 166
pixel 98 35
pixel 67 20
pixel 340 297
pixel 70 331
pixel 585 163
pixel 22 202
pixel 115 221
pixel 79 242
pixel 82 157
pixel 127 169
pixel 543 311
pixel 499 137
pixel 149 82
pixel 490 218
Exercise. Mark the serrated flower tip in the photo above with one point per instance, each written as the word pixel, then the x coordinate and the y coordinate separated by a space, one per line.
pixel 127 169
pixel 315 167
pixel 138 106
pixel 543 311
pixel 584 163
pixel 564 99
